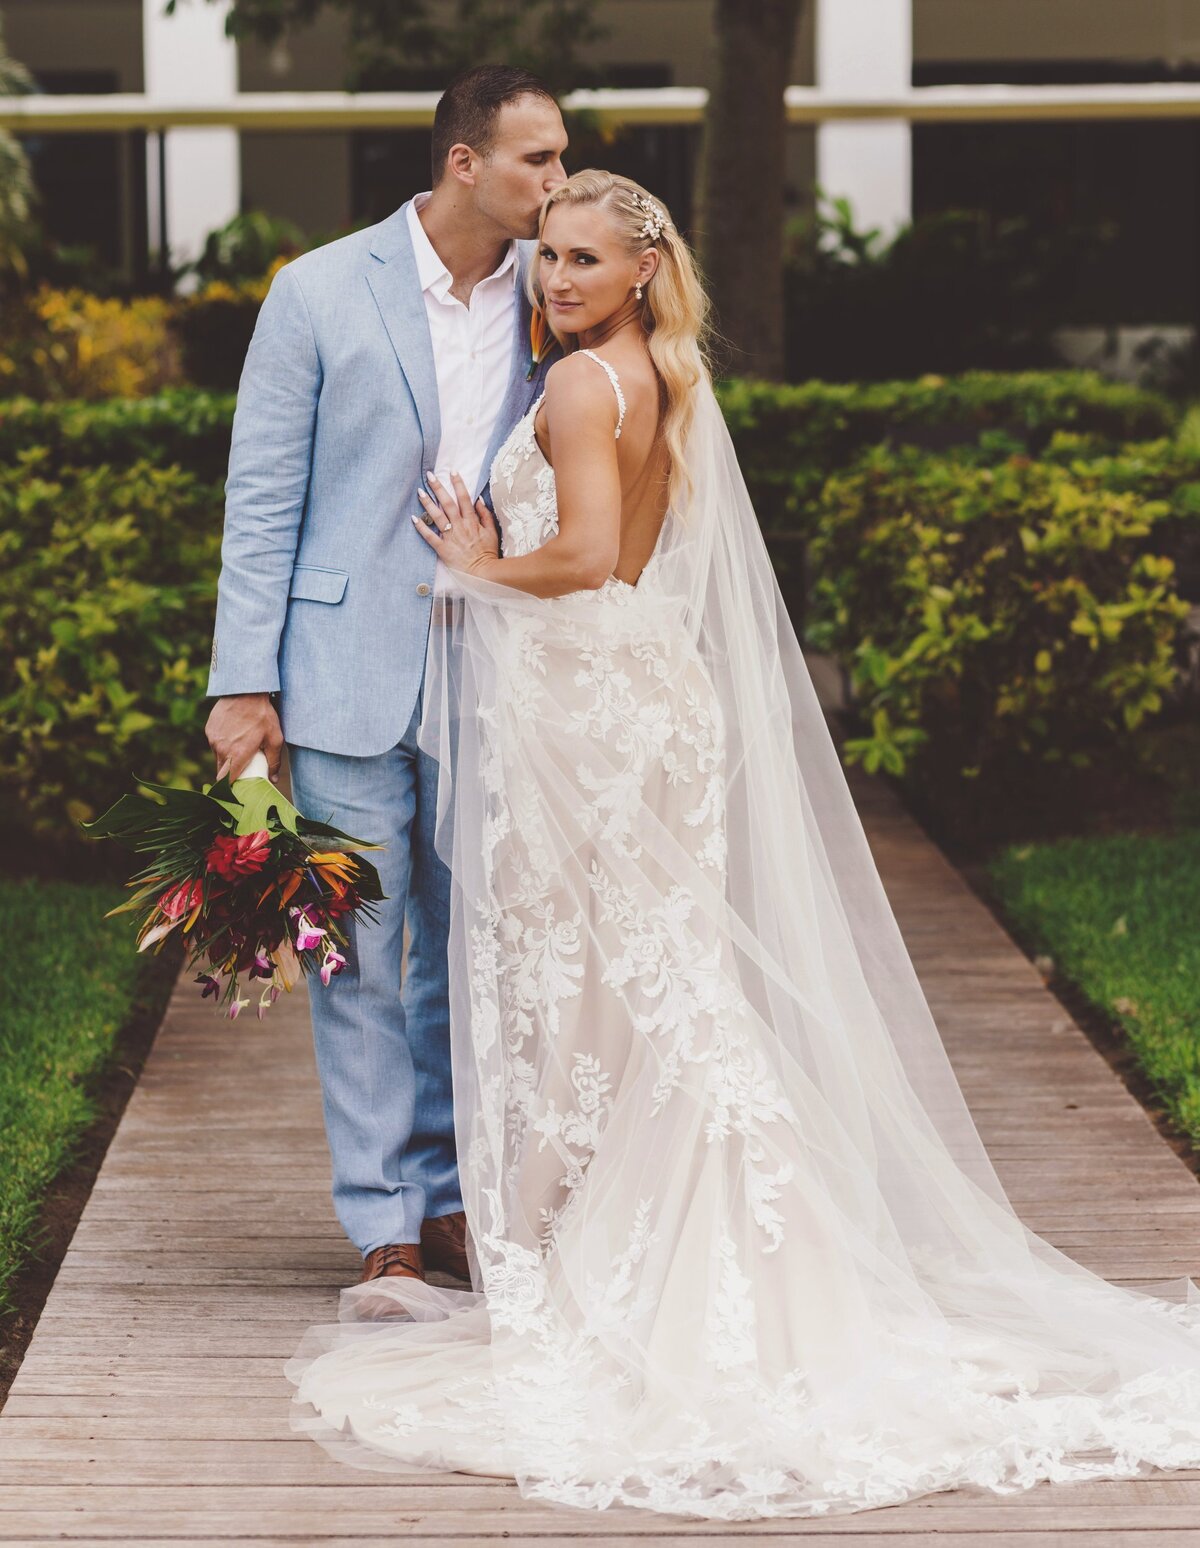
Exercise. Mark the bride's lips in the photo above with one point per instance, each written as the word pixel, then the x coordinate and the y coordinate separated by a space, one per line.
pixel 565 306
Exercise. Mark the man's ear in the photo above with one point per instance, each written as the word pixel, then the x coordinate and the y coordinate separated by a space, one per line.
pixel 460 162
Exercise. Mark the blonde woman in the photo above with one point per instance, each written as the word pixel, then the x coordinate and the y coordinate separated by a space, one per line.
pixel 737 1249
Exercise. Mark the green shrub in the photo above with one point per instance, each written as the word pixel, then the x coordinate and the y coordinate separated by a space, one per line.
pixel 215 326
pixel 181 426
pixel 247 247
pixel 952 290
pixel 789 439
pixel 110 517
pixel 994 621
pixel 1161 470
pixel 107 591
pixel 70 344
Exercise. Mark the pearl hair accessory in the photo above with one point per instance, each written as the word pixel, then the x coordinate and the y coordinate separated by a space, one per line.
pixel 656 217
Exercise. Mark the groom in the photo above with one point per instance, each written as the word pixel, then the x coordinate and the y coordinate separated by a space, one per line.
pixel 401 348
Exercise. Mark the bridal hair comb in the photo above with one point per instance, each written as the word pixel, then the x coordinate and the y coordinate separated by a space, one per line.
pixel 656 217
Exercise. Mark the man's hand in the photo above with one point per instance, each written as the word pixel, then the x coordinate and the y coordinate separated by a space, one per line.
pixel 239 726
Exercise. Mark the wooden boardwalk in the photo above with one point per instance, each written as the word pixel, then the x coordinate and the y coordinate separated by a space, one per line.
pixel 152 1407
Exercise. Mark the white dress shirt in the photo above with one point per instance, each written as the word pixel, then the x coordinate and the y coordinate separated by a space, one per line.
pixel 472 358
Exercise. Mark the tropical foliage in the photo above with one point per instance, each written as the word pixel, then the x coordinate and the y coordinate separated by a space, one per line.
pixel 71 344
pixel 992 617
pixel 107 588
pixel 390 38
pixel 16 184
pixel 110 518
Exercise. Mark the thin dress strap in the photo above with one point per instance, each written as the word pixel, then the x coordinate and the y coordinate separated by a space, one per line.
pixel 612 376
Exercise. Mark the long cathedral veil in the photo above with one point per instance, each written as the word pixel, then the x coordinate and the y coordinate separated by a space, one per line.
pixel 740 1249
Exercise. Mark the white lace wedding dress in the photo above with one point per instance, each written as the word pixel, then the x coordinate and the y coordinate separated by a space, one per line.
pixel 739 1250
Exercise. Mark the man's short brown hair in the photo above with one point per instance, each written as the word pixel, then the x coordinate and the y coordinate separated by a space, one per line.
pixel 469 108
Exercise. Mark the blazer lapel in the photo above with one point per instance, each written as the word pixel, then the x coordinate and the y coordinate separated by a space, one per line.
pixel 396 286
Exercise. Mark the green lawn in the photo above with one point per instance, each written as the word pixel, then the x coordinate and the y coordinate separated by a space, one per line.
pixel 1119 915
pixel 69 981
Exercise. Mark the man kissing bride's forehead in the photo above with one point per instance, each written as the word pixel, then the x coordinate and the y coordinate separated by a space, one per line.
pixel 498 144
pixel 665 1191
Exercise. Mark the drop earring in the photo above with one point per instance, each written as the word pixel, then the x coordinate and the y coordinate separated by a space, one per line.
pixel 637 290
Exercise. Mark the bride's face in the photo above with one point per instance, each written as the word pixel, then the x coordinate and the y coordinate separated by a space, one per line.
pixel 584 270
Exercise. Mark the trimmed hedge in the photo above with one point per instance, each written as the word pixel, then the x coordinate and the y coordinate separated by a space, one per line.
pixel 789 439
pixel 1161 470
pixel 182 426
pixel 993 619
pixel 110 521
pixel 108 583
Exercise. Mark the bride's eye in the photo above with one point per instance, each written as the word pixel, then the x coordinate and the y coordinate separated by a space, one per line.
pixel 545 252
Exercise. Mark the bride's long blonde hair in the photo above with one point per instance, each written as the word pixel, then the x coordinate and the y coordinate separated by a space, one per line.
pixel 674 307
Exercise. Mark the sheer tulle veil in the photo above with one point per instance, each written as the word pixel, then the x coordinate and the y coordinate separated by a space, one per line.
pixel 802 1290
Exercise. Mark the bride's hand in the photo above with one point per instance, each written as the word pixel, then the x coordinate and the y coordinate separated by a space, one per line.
pixel 463 535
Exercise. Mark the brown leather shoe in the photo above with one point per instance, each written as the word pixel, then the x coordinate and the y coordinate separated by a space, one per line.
pixel 395 1260
pixel 444 1245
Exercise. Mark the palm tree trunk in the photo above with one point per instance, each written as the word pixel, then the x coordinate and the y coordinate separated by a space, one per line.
pixel 741 208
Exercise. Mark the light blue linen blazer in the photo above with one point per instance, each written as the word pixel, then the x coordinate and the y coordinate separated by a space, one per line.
pixel 325 590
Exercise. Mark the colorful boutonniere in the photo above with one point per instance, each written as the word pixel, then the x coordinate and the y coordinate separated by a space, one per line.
pixel 540 340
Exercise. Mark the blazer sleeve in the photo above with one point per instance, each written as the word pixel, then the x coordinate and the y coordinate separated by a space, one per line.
pixel 270 464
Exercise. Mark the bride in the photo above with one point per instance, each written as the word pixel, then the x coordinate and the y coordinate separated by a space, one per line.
pixel 738 1249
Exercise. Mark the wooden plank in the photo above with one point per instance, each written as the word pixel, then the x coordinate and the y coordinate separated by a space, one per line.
pixel 1138 1502
pixel 458 1490
pixel 117 1300
pixel 827 1535
pixel 522 1521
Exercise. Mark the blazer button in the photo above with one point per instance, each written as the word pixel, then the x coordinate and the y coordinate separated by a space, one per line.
pixel 423 589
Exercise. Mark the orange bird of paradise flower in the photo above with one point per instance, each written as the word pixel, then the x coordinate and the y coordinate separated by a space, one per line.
pixel 540 339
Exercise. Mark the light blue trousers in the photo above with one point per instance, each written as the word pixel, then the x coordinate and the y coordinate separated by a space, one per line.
pixel 382 1047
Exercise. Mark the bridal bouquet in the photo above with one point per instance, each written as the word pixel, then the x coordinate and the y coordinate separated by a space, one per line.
pixel 258 889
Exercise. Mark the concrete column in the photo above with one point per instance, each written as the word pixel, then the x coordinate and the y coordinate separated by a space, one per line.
pixel 188 58
pixel 864 48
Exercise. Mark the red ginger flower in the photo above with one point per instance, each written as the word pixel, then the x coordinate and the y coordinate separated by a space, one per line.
pixel 241 854
pixel 181 900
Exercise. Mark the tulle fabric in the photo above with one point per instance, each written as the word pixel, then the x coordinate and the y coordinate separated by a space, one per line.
pixel 738 1248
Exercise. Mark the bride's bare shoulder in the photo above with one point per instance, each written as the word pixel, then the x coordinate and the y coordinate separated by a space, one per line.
pixel 578 390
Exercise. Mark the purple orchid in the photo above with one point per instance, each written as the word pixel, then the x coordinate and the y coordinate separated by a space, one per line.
pixel 308 932
pixel 333 964
pixel 211 986
pixel 262 966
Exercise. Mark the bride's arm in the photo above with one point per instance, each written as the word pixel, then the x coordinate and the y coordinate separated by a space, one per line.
pixel 581 417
